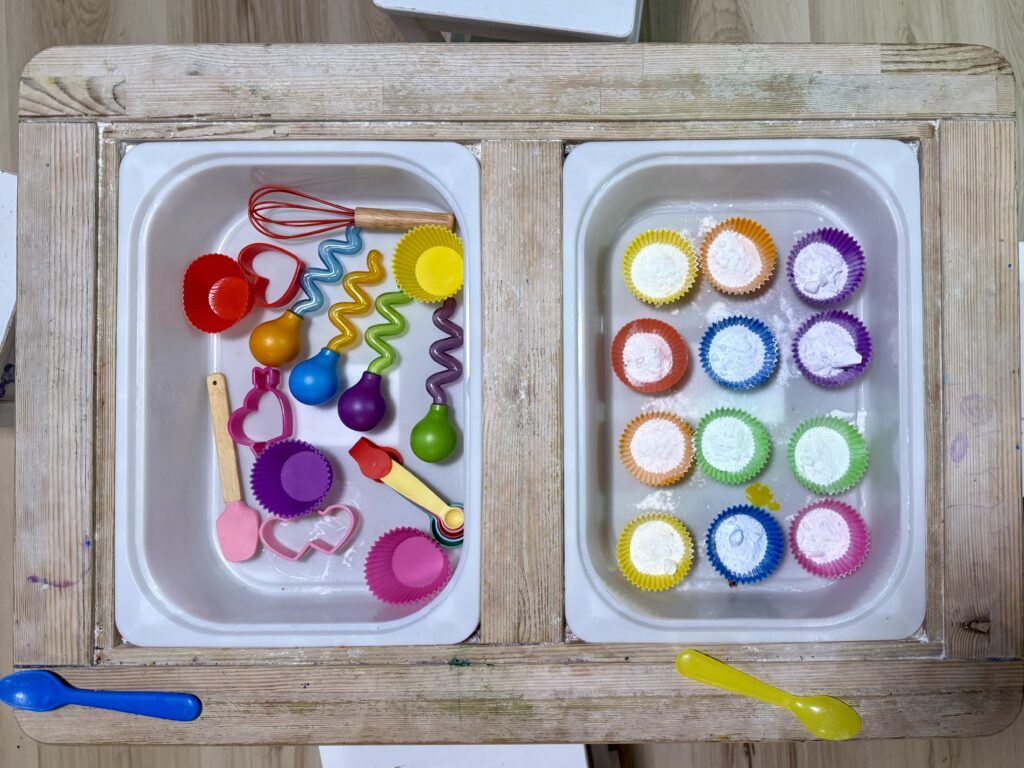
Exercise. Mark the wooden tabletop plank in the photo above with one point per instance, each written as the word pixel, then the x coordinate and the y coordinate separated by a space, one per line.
pixel 560 702
pixel 521 192
pixel 55 364
pixel 515 82
pixel 981 383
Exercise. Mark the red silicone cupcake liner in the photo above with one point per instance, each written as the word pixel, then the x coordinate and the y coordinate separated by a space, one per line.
pixel 856 553
pixel 214 293
pixel 680 357
pixel 861 342
pixel 848 248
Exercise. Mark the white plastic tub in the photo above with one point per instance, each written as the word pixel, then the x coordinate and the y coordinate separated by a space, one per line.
pixel 173 588
pixel 613 191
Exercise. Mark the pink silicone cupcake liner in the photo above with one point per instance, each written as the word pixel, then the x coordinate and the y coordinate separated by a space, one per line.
pixel 405 566
pixel 848 248
pixel 861 342
pixel 291 478
pixel 856 552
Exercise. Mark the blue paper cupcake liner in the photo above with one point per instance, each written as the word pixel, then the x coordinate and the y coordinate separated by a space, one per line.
pixel 771 351
pixel 851 253
pixel 773 551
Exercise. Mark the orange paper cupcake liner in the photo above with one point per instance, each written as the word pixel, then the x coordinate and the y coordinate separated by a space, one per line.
pixel 765 248
pixel 656 479
pixel 680 357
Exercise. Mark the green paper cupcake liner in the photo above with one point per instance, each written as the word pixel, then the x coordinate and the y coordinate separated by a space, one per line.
pixel 757 463
pixel 854 441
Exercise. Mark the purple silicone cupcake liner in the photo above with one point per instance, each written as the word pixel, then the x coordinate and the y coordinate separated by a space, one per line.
pixel 848 248
pixel 861 342
pixel 291 478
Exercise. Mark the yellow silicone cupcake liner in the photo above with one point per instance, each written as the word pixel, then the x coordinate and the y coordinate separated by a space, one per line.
pixel 765 248
pixel 663 237
pixel 657 479
pixel 646 581
pixel 427 264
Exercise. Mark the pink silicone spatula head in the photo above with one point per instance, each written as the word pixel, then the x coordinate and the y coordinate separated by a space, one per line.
pixel 238 525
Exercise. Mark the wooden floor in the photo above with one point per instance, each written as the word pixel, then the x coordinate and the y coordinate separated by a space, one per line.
pixel 31 25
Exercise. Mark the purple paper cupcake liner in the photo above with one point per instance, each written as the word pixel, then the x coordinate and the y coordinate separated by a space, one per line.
pixel 774 547
pixel 861 342
pixel 848 248
pixel 291 478
pixel 771 351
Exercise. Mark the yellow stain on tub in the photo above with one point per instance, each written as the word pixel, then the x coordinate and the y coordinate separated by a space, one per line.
pixel 760 495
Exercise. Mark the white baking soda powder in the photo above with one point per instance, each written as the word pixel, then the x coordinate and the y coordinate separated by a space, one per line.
pixel 822 455
pixel 656 548
pixel 659 270
pixel 736 353
pixel 741 543
pixel 823 535
pixel 646 358
pixel 733 259
pixel 658 446
pixel 727 444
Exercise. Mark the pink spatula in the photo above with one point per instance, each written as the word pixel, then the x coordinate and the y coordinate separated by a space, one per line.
pixel 238 525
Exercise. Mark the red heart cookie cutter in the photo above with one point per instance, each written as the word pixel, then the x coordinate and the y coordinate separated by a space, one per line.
pixel 247 257
pixel 264 380
pixel 271 542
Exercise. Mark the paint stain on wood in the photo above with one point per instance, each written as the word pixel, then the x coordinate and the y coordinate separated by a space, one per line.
pixel 46 583
pixel 958 448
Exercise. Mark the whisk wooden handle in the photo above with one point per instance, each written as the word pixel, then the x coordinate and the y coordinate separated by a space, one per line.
pixel 227 460
pixel 400 221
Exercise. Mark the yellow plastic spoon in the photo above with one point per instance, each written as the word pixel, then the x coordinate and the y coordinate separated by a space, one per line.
pixel 824 716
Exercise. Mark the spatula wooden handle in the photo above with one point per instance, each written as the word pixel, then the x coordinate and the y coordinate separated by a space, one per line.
pixel 227 460
pixel 399 221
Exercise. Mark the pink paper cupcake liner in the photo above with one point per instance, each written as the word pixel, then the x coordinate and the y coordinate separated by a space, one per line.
pixel 856 552
pixel 405 566
pixel 861 342
pixel 848 248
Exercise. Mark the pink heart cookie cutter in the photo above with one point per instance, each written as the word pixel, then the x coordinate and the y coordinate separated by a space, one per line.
pixel 264 380
pixel 271 542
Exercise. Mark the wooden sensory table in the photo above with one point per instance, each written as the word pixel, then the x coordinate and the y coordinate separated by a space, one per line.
pixel 523 677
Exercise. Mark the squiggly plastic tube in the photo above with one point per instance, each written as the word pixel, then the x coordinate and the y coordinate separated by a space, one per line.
pixel 329 251
pixel 440 350
pixel 376 334
pixel 360 304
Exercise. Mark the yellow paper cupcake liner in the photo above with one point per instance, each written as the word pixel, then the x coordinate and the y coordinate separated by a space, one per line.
pixel 427 264
pixel 664 237
pixel 657 479
pixel 646 581
pixel 765 247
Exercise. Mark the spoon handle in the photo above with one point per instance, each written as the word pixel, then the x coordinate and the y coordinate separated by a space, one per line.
pixel 161 704
pixel 704 669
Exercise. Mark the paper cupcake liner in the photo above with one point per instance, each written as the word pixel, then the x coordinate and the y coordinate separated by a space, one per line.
pixel 406 582
pixel 680 357
pixel 848 248
pixel 861 341
pixel 765 246
pixel 771 351
pixel 773 551
pixel 296 495
pixel 646 581
pixel 408 251
pixel 762 448
pixel 657 479
pixel 849 561
pixel 858 455
pixel 668 237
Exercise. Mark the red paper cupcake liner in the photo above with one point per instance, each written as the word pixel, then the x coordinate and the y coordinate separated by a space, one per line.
pixel 680 357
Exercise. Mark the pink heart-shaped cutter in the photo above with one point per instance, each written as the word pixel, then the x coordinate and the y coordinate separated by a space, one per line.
pixel 264 380
pixel 271 542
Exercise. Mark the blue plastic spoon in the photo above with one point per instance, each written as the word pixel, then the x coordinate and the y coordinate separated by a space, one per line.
pixel 40 691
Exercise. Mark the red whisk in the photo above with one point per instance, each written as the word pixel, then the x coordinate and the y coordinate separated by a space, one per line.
pixel 286 214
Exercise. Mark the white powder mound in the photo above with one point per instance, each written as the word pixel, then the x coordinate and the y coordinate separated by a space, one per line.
pixel 827 348
pixel 646 358
pixel 728 444
pixel 733 259
pixel 657 501
pixel 656 548
pixel 820 271
pixel 659 270
pixel 822 455
pixel 741 542
pixel 658 446
pixel 823 535
pixel 706 225
pixel 736 353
